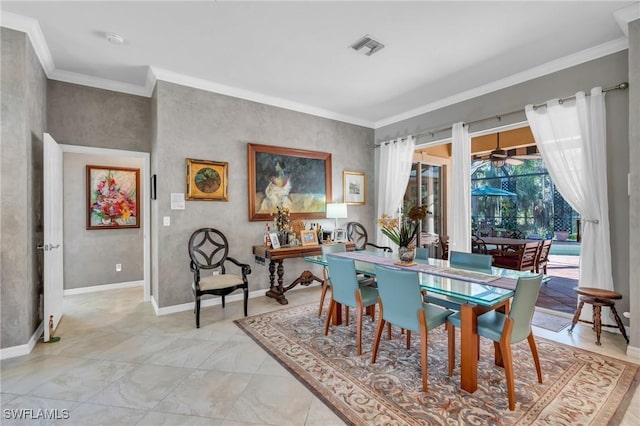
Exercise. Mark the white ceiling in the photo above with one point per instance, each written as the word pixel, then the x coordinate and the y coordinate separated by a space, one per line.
pixel 296 54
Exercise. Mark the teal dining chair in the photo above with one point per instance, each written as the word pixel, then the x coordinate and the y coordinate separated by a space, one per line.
pixel 346 291
pixel 335 248
pixel 506 330
pixel 422 253
pixel 400 302
pixel 468 261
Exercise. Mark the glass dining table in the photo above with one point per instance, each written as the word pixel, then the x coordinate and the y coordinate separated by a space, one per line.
pixel 476 292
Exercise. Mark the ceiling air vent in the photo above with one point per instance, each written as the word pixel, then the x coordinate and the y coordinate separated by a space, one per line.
pixel 369 43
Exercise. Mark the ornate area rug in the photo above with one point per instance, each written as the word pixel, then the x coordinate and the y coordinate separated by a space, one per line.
pixel 579 387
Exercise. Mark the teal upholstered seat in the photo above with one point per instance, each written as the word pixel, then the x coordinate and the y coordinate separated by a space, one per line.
pixel 335 248
pixel 506 329
pixel 401 304
pixel 346 291
pixel 469 261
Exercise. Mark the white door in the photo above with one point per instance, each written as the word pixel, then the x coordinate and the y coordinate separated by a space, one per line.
pixel 53 267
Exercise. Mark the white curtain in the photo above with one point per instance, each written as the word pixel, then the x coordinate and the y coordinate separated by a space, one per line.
pixel 571 137
pixel 460 216
pixel 394 169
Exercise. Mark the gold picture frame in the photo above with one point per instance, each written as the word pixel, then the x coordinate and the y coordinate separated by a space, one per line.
pixel 354 189
pixel 309 237
pixel 207 180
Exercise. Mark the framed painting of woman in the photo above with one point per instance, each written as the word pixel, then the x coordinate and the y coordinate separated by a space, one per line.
pixel 296 179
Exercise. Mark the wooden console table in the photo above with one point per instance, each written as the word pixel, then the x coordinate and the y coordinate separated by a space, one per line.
pixel 277 256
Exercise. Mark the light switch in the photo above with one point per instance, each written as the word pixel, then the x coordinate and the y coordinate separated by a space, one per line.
pixel 166 220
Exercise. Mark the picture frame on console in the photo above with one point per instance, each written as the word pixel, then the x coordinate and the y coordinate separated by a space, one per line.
pixel 309 237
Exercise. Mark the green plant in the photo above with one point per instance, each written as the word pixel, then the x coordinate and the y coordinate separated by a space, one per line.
pixel 402 231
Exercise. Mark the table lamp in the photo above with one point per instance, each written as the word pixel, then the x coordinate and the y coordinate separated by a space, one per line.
pixel 336 211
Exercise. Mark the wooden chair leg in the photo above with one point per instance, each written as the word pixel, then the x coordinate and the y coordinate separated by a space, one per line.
pixel 322 296
pixel 619 323
pixel 576 316
pixel 534 352
pixel 376 342
pixel 346 316
pixel 423 349
pixel 408 339
pixel 359 315
pixel 332 306
pixel 505 349
pixel 451 343
pixel 388 327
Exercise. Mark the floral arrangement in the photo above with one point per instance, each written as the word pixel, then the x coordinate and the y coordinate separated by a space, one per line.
pixel 112 202
pixel 281 219
pixel 403 231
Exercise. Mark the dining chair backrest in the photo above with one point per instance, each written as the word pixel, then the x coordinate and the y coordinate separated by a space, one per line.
pixel 400 294
pixel 529 256
pixel 333 248
pixel 523 306
pixel 422 253
pixel 543 253
pixel 343 279
pixel 470 261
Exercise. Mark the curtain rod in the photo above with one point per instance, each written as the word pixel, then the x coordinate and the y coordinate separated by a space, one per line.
pixel 622 86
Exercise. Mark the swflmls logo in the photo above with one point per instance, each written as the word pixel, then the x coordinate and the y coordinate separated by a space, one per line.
pixel 38 414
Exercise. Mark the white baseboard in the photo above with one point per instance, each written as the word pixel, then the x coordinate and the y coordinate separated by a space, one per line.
pixel 633 352
pixel 103 287
pixel 205 302
pixel 25 349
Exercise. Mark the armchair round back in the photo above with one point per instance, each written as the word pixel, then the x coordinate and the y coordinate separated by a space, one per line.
pixel 208 248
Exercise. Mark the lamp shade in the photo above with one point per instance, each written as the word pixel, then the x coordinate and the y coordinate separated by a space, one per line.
pixel 336 210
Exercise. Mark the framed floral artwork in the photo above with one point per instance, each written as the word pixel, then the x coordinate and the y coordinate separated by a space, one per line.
pixel 294 179
pixel 207 180
pixel 354 187
pixel 113 197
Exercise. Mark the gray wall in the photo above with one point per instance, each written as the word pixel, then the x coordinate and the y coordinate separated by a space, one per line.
pixel 79 115
pixel 23 85
pixel 191 123
pixel 634 164
pixel 607 71
pixel 90 256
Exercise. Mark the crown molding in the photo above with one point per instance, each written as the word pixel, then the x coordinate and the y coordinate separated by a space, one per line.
pixel 99 83
pixel 626 15
pixel 210 86
pixel 31 27
pixel 521 77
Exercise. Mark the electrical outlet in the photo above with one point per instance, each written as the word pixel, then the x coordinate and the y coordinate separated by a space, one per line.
pixel 118 267
pixel 166 221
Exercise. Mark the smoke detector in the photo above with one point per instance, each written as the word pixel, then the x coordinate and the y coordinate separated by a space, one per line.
pixel 114 38
pixel 369 43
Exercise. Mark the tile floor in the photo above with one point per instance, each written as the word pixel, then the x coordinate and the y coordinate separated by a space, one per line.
pixel 119 364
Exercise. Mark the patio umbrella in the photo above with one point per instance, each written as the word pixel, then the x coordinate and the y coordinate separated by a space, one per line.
pixel 491 192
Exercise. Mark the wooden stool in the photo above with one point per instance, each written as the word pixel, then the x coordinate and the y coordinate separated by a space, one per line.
pixel 598 297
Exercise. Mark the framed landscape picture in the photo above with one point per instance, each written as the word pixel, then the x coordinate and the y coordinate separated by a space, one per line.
pixel 113 197
pixel 207 180
pixel 295 179
pixel 354 187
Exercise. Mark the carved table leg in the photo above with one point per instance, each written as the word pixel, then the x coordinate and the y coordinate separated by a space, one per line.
pixel 274 291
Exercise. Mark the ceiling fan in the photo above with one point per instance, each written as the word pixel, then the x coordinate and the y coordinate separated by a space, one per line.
pixel 499 157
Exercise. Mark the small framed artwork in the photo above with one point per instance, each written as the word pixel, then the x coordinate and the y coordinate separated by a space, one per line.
pixel 354 187
pixel 275 242
pixel 113 197
pixel 207 180
pixel 309 237
pixel 339 235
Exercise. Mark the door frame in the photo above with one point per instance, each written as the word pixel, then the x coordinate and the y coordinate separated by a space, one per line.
pixel 144 200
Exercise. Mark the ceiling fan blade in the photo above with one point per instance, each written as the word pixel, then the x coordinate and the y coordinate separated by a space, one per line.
pixel 528 157
pixel 513 161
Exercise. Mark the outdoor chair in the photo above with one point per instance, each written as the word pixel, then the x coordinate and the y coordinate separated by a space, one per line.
pixel 522 260
pixel 506 330
pixel 336 248
pixel 478 245
pixel 543 256
pixel 346 291
pixel 209 252
pixel 358 235
pixel 400 304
